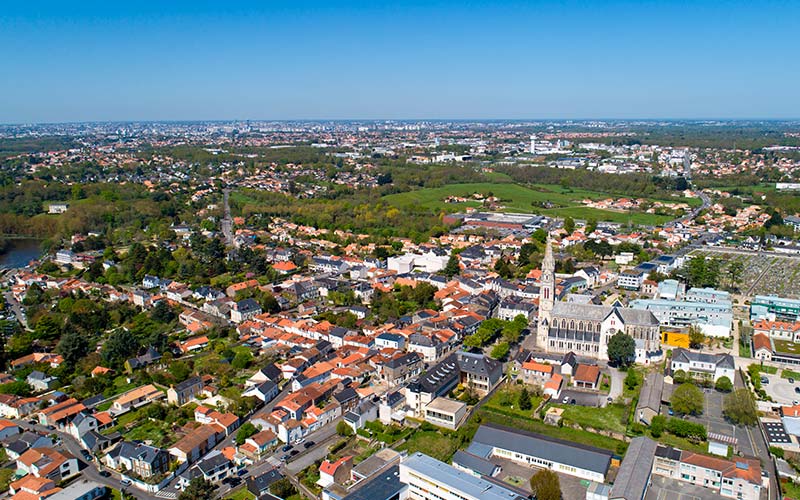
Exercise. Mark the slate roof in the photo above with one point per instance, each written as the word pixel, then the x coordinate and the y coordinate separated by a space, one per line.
pixel 634 472
pixel 720 360
pixel 547 448
pixel 474 463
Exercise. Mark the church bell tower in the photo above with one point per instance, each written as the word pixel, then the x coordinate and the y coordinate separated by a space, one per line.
pixel 546 295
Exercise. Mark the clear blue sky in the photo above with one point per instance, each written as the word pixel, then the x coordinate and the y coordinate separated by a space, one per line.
pixel 184 60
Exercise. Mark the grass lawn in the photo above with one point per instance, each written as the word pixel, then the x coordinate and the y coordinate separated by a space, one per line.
pixel 786 346
pixel 241 494
pixel 612 418
pixel 786 373
pixel 682 443
pixel 768 369
pixel 432 443
pixel 566 433
pixel 505 401
pixel 517 198
pixel 790 490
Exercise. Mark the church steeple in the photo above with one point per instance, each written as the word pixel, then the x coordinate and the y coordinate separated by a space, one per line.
pixel 547 292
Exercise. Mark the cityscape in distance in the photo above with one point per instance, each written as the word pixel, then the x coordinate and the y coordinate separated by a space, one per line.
pixel 400 251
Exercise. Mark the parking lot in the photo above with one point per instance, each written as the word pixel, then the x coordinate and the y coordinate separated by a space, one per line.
pixel 571 486
pixel 664 488
pixel 581 398
pixel 780 389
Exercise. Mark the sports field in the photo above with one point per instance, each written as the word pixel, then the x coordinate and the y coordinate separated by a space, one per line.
pixel 515 198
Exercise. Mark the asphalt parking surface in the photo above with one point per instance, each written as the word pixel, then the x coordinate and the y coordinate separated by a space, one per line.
pixel 664 488
pixel 582 398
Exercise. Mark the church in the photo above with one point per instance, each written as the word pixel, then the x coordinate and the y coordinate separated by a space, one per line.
pixel 585 329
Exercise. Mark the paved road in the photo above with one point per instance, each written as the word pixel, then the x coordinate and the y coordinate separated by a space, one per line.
pixel 16 307
pixel 227 221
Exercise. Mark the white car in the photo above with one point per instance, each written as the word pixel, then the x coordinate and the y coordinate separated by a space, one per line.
pixel 565 400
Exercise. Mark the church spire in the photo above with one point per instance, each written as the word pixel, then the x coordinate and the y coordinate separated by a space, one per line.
pixel 548 263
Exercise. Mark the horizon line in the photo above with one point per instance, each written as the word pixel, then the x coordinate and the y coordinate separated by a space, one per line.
pixel 344 120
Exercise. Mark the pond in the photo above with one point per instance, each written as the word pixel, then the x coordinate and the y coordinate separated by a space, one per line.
pixel 19 252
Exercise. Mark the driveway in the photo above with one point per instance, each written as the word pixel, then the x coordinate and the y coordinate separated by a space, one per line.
pixel 617 381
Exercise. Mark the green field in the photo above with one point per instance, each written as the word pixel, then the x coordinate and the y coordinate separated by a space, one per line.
pixel 517 198
pixel 432 443
pixel 612 418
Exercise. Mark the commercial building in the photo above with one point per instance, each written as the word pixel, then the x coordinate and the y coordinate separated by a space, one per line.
pixel 714 319
pixel 773 308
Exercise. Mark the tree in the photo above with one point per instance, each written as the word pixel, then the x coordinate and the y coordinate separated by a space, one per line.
pixel 632 379
pixel 696 338
pixel 591 225
pixel 724 384
pixel 545 485
pixel 73 347
pixel 245 431
pixel 500 350
pixel 121 345
pixel 452 268
pixel 621 349
pixel 47 329
pixel 657 425
pixel 569 225
pixel 679 376
pixel 198 489
pixel 162 312
pixel 343 429
pixel 242 360
pixel 687 400
pixel 17 388
pixel 740 408
pixel 282 488
pixel 524 400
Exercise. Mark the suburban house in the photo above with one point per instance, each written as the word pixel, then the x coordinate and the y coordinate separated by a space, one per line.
pixel 184 392
pixel 141 459
pixel 587 376
pixel 48 463
pixel 135 398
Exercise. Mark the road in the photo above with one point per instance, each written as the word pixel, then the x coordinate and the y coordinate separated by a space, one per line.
pixel 227 221
pixel 617 380
pixel 691 215
pixel 16 307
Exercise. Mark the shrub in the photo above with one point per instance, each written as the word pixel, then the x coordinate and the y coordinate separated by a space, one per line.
pixel 684 428
pixel 657 425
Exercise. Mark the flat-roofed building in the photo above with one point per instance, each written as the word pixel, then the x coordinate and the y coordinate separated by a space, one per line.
pixel 445 412
pixel 428 478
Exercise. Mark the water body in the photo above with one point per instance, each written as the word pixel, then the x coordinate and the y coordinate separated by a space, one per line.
pixel 18 253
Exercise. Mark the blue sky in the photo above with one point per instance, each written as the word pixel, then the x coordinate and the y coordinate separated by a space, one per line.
pixel 176 60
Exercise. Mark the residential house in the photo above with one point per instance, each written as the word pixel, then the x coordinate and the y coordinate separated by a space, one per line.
pixel 138 458
pixel 48 463
pixel 135 398
pixel 586 376
pixel 185 391
pixel 703 365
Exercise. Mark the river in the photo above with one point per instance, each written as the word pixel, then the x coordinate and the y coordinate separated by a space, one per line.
pixel 18 253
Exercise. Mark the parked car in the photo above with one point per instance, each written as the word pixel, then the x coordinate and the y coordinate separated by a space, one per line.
pixel 797 390
pixel 293 453
pixel 308 444
pixel 125 482
pixel 105 473
pixel 791 380
pixel 284 458
pixel 243 473
pixel 670 412
pixel 565 400
pixel 286 447
pixel 764 380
